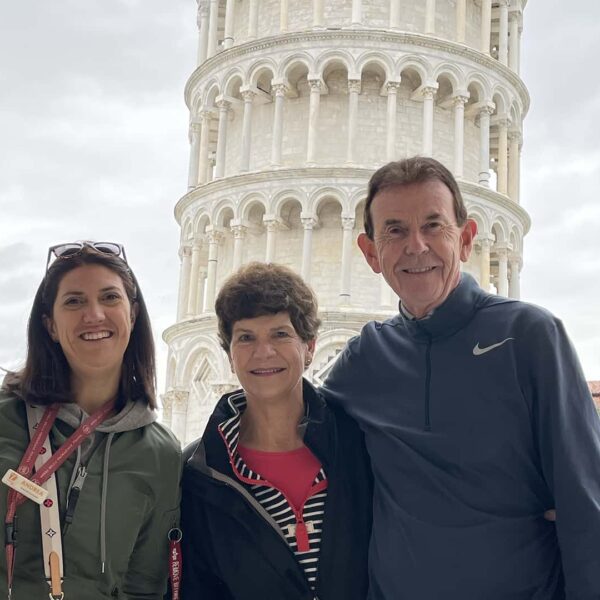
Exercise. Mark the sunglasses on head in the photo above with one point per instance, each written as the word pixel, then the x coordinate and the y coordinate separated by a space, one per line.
pixel 74 248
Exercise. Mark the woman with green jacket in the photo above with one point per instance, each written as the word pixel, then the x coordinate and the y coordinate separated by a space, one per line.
pixel 101 528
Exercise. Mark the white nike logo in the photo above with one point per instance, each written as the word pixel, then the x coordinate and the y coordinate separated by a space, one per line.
pixel 477 351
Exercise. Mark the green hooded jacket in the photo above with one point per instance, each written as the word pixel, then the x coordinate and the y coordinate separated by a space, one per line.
pixel 116 548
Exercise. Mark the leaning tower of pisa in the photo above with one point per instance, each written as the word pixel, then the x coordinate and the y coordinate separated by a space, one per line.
pixel 293 105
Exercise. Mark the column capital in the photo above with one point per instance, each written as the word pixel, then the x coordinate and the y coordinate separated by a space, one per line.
pixel 485 240
pixel 486 108
pixel 221 388
pixel 238 230
pixel 502 3
pixel 354 85
pixel 428 91
pixel 514 135
pixel 175 399
pixel 348 223
pixel 195 127
pixel 460 99
pixel 248 93
pixel 202 13
pixel 185 250
pixel 309 222
pixel 272 222
pixel 502 250
pixel 279 88
pixel 222 104
pixel 514 258
pixel 316 85
pixel 391 87
pixel 502 121
pixel 214 234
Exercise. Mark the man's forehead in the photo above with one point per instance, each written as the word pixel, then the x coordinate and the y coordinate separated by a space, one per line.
pixel 427 200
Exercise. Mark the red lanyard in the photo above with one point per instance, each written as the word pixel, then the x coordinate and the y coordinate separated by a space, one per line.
pixel 175 562
pixel 25 468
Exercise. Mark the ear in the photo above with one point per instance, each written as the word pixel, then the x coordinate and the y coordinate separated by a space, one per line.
pixel 135 309
pixel 50 327
pixel 311 347
pixel 369 250
pixel 467 235
pixel 230 363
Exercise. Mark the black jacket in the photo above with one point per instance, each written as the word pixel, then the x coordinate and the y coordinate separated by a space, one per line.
pixel 231 547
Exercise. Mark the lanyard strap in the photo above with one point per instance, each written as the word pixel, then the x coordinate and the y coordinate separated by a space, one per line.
pixel 42 430
pixel 175 562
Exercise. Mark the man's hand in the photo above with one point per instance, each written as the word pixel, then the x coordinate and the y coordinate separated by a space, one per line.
pixel 550 515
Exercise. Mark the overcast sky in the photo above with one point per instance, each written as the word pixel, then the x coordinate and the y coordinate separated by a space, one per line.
pixel 93 145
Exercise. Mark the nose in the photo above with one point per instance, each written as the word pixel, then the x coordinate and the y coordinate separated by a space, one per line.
pixel 93 312
pixel 264 349
pixel 416 243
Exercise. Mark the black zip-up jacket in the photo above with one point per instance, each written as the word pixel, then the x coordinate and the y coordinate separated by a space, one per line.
pixel 232 548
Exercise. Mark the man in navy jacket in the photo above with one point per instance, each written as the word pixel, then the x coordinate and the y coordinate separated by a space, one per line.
pixel 476 414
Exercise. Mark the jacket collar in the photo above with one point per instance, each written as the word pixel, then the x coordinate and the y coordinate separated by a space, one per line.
pixel 453 314
pixel 318 432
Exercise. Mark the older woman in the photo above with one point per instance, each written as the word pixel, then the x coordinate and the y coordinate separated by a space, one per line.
pixel 277 492
pixel 111 485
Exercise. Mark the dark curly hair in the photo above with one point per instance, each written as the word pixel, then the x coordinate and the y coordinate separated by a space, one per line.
pixel 46 376
pixel 417 169
pixel 259 289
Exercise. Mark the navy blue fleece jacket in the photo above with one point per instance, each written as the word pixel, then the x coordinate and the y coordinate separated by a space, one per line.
pixel 477 420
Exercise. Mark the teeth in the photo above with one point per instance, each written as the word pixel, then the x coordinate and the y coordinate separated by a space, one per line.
pixel 423 270
pixel 261 371
pixel 97 335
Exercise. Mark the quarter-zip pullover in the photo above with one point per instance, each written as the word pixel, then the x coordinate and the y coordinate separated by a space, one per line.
pixel 477 420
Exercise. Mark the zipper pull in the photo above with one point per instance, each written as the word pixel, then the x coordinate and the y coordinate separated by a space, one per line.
pixel 302 536
pixel 74 497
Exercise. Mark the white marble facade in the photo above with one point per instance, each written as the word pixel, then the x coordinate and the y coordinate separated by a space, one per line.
pixel 292 107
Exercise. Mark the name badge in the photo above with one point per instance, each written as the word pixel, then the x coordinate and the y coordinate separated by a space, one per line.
pixel 24 486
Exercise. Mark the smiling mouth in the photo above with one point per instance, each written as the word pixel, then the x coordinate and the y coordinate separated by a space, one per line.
pixel 96 335
pixel 418 271
pixel 271 371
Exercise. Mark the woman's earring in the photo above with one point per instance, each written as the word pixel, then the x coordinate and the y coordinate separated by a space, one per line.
pixel 307 362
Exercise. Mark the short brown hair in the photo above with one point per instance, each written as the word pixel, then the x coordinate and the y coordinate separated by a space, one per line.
pixel 417 169
pixel 259 289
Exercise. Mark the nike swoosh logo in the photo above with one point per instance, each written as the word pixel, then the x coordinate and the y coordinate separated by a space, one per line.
pixel 477 351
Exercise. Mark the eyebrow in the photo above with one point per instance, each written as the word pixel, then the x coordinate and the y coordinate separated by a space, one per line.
pixel 244 330
pixel 110 288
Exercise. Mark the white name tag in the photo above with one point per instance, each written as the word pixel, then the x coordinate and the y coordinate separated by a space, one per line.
pixel 24 486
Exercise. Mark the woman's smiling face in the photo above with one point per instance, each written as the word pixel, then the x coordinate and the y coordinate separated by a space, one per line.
pixel 269 357
pixel 92 320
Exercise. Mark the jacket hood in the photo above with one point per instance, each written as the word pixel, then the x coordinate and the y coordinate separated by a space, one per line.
pixel 134 415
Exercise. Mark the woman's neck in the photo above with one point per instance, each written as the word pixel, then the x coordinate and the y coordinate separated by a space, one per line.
pixel 272 427
pixel 91 393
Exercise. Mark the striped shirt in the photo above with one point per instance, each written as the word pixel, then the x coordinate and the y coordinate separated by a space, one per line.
pixel 302 528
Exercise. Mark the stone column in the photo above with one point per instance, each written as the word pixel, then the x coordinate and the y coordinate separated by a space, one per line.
pixel 514 285
pixel 459 133
pixel 253 19
pixel 348 226
pixel 229 13
pixel 484 144
pixel 428 95
pixel 313 119
pixel 248 96
pixel 514 166
pixel 223 106
pixel 308 223
pixel 202 20
pixel 185 256
pixel 502 156
pixel 485 243
pixel 175 405
pixel 318 17
pixel 356 13
pixel 283 16
pixel 392 102
pixel 192 307
pixel 502 254
pixel 514 42
pixel 213 23
pixel 353 91
pixel 214 239
pixel 239 233
pixel 486 25
pixel 194 155
pixel 394 14
pixel 205 117
pixel 279 90
pixel 202 272
pixel 430 16
pixel 461 20
pixel 503 33
pixel 271 223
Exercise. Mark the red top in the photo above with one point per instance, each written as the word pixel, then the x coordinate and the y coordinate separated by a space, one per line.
pixel 293 472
